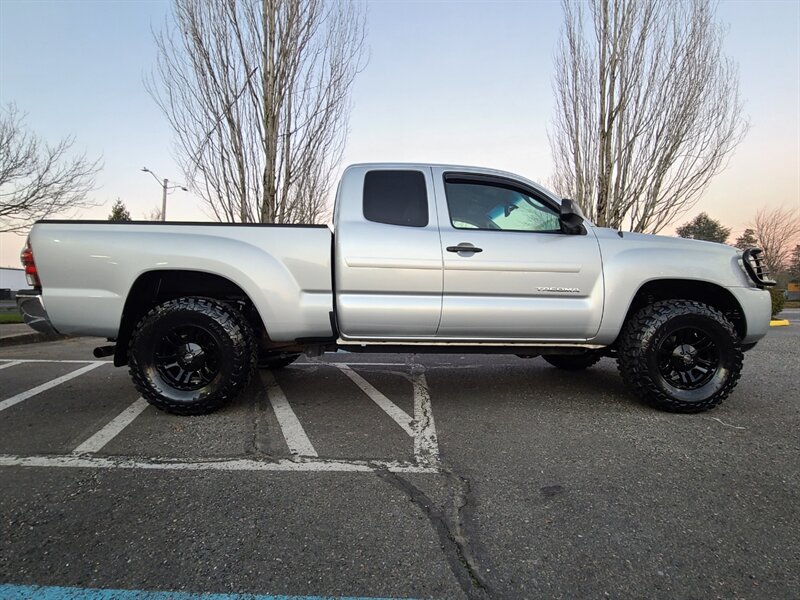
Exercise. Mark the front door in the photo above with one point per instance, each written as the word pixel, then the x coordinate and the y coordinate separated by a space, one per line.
pixel 509 272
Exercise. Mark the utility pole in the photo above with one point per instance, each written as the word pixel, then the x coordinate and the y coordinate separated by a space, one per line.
pixel 165 187
pixel 164 201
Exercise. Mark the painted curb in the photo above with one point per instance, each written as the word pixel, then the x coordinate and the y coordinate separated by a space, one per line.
pixel 779 323
pixel 28 592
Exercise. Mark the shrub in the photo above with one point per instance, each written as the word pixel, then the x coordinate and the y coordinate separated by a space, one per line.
pixel 778 300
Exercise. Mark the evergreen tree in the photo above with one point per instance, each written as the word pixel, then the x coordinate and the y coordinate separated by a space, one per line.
pixel 703 227
pixel 746 240
pixel 119 212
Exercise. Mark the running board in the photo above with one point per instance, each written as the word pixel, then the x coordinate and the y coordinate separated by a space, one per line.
pixel 396 347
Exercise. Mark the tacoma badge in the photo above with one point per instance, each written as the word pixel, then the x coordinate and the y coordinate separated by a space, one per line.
pixel 559 289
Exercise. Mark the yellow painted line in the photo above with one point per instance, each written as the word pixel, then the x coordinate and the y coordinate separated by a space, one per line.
pixel 779 323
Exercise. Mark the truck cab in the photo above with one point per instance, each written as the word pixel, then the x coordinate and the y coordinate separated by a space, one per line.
pixel 457 254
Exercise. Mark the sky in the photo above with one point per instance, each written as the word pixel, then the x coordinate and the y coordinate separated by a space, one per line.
pixel 447 82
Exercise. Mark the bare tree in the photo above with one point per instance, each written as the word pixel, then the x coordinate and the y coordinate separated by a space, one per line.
pixel 38 180
pixel 794 262
pixel 777 230
pixel 258 95
pixel 647 112
pixel 153 215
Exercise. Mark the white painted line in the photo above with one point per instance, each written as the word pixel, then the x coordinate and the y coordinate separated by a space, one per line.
pixel 48 360
pixel 317 465
pixel 9 402
pixel 390 408
pixel 11 336
pixel 9 364
pixel 296 364
pixel 110 431
pixel 355 364
pixel 293 431
pixel 426 443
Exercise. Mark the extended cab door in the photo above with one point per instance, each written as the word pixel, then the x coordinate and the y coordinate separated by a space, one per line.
pixel 388 256
pixel 509 271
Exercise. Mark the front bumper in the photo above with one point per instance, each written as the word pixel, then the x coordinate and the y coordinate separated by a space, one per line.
pixel 757 307
pixel 31 306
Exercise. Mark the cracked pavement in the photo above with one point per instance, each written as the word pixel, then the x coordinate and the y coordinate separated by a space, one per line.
pixel 552 485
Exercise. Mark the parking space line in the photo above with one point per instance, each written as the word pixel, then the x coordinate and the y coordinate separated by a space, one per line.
pixel 347 364
pixel 426 443
pixel 112 429
pixel 234 464
pixel 390 408
pixel 9 402
pixel 293 431
pixel 10 364
pixel 50 360
pixel 362 364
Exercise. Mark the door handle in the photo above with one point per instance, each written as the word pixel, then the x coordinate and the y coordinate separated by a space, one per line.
pixel 463 248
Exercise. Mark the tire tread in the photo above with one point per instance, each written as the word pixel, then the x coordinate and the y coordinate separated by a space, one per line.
pixel 634 341
pixel 244 363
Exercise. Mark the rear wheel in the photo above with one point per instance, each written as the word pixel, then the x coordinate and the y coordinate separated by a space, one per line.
pixel 190 356
pixel 573 362
pixel 680 355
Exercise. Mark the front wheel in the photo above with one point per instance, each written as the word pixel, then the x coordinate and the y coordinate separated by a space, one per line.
pixel 680 356
pixel 190 356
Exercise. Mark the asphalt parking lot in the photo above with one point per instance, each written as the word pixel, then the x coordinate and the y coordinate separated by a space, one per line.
pixel 400 477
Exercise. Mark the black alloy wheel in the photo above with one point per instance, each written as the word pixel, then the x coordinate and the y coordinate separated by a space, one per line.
pixel 188 357
pixel 688 358
pixel 191 355
pixel 680 356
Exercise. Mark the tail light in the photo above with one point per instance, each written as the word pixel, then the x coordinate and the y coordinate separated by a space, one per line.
pixel 31 274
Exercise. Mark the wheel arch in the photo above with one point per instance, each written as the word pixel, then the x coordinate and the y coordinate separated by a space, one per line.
pixel 154 287
pixel 708 293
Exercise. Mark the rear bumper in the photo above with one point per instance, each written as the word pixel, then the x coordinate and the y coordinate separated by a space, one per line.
pixel 31 305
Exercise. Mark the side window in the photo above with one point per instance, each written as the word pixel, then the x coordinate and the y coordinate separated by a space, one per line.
pixel 396 198
pixel 476 205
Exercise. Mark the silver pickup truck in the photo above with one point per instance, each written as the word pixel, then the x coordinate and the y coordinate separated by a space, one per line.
pixel 422 258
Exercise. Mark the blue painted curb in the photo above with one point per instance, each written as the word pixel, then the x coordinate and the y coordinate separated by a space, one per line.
pixel 41 592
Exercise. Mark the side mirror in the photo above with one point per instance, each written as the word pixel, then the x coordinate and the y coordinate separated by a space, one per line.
pixel 571 217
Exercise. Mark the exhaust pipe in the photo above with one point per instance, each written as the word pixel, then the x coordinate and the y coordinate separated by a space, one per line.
pixel 103 351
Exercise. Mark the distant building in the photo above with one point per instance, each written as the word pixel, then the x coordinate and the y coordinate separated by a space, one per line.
pixel 793 290
pixel 11 280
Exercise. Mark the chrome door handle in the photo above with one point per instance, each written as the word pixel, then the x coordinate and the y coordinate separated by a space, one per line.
pixel 461 248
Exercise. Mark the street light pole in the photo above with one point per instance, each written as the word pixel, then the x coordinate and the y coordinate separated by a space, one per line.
pixel 165 187
pixel 164 201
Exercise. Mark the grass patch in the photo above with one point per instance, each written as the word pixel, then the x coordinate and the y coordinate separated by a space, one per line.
pixel 10 317
pixel 792 304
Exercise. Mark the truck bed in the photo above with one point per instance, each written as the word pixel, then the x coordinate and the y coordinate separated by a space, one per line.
pixel 89 267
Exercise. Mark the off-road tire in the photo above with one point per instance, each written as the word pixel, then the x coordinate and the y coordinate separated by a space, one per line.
pixel 645 340
pixel 228 334
pixel 276 360
pixel 573 362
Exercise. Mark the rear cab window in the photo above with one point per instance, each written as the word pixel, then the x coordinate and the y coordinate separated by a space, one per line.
pixel 396 197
